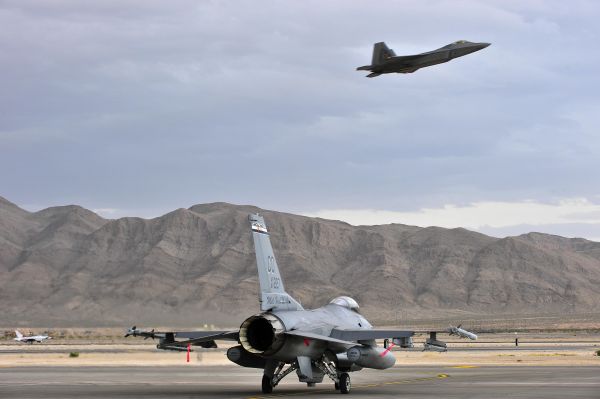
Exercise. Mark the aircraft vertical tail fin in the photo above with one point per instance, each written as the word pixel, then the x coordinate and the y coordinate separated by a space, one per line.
pixel 381 53
pixel 18 334
pixel 272 292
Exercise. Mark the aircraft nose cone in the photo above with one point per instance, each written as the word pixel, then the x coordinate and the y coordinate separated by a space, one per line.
pixel 475 47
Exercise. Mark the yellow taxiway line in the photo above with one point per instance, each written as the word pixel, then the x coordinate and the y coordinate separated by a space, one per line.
pixel 312 392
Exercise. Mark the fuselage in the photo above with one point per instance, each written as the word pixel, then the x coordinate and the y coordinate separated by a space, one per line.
pixel 318 321
pixel 288 335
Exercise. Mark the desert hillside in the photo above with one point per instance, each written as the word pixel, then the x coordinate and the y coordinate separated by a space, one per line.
pixel 68 266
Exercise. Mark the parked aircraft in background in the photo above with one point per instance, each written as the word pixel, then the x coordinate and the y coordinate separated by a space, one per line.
pixel 31 339
pixel 333 340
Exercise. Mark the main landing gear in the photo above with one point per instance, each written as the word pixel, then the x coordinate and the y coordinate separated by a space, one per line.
pixel 267 385
pixel 341 380
pixel 344 383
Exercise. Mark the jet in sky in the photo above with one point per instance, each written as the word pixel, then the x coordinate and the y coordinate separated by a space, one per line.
pixel 386 61
pixel 31 339
pixel 331 341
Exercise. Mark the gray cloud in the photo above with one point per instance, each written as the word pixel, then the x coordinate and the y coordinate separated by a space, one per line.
pixel 155 105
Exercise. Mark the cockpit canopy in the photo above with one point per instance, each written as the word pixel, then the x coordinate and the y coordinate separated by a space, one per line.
pixel 346 302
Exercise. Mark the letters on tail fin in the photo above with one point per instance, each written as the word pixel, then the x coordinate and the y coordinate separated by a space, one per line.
pixel 18 334
pixel 381 52
pixel 272 292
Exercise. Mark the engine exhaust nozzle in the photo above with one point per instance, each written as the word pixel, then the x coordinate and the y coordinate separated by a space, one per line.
pixel 262 334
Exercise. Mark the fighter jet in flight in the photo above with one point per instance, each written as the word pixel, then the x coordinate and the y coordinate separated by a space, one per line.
pixel 31 339
pixel 386 61
pixel 331 341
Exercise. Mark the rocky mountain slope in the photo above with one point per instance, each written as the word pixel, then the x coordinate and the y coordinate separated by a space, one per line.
pixel 68 266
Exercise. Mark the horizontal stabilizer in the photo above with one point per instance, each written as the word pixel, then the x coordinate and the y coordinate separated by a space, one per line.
pixel 368 335
pixel 309 335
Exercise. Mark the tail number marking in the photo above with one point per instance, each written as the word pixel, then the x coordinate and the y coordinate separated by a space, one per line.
pixel 270 264
pixel 276 299
pixel 275 282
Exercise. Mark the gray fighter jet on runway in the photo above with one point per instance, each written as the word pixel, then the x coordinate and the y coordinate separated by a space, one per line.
pixel 386 61
pixel 284 337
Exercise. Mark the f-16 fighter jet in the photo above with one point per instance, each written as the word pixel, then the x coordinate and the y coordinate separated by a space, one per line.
pixel 331 341
pixel 386 61
pixel 31 339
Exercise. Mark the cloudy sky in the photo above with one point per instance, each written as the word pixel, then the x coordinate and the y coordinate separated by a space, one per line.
pixel 141 107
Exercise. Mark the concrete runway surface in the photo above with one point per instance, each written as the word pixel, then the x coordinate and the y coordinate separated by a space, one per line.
pixel 236 382
pixel 483 347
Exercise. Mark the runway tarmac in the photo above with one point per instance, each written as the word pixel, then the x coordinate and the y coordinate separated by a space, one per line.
pixel 419 348
pixel 236 382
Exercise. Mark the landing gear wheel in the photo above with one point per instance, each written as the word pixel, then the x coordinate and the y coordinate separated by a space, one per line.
pixel 267 385
pixel 337 386
pixel 345 383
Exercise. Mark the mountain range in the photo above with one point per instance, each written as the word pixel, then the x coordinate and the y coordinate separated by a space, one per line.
pixel 67 266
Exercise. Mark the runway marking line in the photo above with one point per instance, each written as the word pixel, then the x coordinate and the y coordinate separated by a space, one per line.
pixel 465 366
pixel 311 392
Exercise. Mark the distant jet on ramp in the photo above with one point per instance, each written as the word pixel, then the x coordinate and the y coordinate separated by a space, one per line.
pixel 386 61
pixel 31 339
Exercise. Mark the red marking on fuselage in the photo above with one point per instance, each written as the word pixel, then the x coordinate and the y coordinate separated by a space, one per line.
pixel 385 352
pixel 306 341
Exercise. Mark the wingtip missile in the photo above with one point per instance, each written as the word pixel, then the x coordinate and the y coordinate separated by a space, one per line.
pixel 133 331
pixel 461 332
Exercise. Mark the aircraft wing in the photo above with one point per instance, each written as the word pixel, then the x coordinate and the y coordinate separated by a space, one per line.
pixel 204 335
pixel 411 70
pixel 408 58
pixel 205 341
pixel 398 337
pixel 168 339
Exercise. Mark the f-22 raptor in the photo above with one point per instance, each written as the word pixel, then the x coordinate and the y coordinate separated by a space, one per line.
pixel 332 340
pixel 386 61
